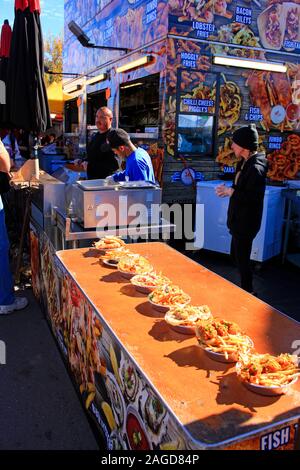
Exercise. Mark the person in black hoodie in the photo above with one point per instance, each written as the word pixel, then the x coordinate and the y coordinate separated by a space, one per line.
pixel 246 199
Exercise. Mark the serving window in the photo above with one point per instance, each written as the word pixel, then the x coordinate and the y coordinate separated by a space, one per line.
pixel 196 109
pixel 95 101
pixel 139 105
pixel 71 116
pixel 195 134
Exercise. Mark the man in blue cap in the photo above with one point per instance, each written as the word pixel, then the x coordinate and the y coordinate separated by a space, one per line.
pixel 246 199
pixel 138 161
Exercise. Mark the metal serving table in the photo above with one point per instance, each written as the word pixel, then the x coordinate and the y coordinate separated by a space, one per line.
pixel 81 220
pixel 68 230
pixel 98 203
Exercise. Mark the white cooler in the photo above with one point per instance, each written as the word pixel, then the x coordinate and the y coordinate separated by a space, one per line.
pixel 214 235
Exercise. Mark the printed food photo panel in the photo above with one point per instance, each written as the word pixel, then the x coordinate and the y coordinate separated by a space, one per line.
pixel 269 24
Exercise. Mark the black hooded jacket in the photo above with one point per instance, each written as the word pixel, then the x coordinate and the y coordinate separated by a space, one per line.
pixel 246 203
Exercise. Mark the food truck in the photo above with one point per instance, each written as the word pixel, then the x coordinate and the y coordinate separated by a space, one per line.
pixel 169 91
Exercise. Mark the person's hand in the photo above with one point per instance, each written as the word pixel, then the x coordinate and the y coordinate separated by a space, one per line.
pixel 110 179
pixel 223 191
pixel 82 163
pixel 120 161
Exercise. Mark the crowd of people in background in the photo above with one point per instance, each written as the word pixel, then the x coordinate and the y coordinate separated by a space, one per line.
pixel 19 144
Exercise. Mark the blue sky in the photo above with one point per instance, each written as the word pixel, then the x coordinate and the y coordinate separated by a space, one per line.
pixel 52 16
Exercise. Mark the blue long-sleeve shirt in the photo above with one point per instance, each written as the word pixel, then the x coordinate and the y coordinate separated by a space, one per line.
pixel 138 167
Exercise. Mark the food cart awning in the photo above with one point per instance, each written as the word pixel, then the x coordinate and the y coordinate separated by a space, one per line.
pixel 56 98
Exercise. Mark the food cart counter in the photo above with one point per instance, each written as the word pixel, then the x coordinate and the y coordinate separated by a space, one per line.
pixel 149 387
pixel 96 208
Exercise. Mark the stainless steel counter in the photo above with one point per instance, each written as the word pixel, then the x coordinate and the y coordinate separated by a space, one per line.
pixel 50 212
pixel 99 204
pixel 69 232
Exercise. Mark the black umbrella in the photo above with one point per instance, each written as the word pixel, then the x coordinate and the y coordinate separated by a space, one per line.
pixel 3 75
pixel 27 104
pixel 5 41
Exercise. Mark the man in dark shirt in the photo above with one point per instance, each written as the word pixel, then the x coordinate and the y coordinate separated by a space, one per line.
pixel 101 161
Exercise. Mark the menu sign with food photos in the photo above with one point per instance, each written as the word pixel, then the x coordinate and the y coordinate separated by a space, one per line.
pixel 190 89
pixel 120 23
pixel 234 97
pixel 198 97
pixel 268 100
pixel 265 24
pixel 284 160
pixel 273 94
pixel 134 24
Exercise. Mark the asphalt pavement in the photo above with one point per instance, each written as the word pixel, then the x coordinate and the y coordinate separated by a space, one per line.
pixel 39 407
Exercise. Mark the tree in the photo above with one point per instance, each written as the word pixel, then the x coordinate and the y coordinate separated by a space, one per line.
pixel 53 58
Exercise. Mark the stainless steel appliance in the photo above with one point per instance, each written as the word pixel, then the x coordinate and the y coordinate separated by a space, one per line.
pixel 47 192
pixel 99 204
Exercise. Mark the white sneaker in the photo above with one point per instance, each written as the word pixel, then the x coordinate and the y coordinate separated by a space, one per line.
pixel 19 304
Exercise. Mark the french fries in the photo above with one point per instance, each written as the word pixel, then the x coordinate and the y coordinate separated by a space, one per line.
pixel 115 255
pixel 187 316
pixel 150 280
pixel 109 242
pixel 134 264
pixel 267 370
pixel 169 295
pixel 223 337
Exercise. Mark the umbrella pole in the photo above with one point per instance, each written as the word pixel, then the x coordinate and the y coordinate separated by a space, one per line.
pixel 22 238
pixel 36 158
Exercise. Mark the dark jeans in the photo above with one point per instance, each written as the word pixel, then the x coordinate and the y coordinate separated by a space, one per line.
pixel 6 283
pixel 241 251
